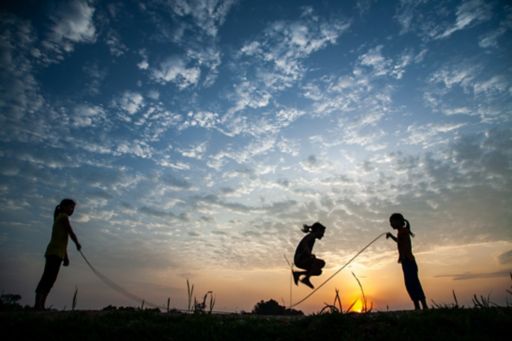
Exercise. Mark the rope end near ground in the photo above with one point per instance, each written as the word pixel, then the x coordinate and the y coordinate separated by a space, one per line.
pixel 117 287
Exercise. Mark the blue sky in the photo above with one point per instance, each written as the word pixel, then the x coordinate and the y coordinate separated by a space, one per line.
pixel 198 136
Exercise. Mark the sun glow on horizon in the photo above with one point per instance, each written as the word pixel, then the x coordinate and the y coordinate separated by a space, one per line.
pixel 357 307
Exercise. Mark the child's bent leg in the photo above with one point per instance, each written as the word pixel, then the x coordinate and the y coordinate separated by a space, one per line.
pixel 316 268
pixel 296 276
pixel 307 282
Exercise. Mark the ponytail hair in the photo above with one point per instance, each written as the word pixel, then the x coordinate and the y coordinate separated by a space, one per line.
pixel 399 218
pixel 63 203
pixel 313 228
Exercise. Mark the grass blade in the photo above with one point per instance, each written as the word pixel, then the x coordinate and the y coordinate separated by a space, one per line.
pixel 73 303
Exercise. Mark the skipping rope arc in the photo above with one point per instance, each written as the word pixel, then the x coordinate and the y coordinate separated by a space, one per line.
pixel 334 274
pixel 116 287
pixel 128 294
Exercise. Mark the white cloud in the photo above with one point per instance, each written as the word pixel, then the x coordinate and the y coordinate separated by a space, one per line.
pixel 494 84
pixel 131 102
pixel 316 165
pixel 175 165
pixel 251 49
pixel 136 148
pixel 288 146
pixel 435 20
pixel 207 15
pixel 280 51
pixel 483 93
pixel 96 76
pixel 143 65
pixel 174 70
pixel 73 23
pixel 196 152
pixel 457 111
pixel 491 39
pixel 461 76
pixel 383 66
pixel 257 125
pixel 374 59
pixel 428 135
pixel 257 147
pixel 406 13
pixel 87 115
pixel 249 94
pixel 278 59
pixel 286 116
pixel 404 61
pixel 404 17
pixel 469 12
pixel 116 47
pixel 155 121
pixel 209 57
pixel 154 94
pixel 204 119
pixel 19 90
pixel 194 30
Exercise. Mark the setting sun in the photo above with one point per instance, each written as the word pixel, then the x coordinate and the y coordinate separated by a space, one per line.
pixel 357 306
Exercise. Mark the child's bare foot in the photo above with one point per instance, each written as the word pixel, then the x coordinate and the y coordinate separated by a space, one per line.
pixel 306 281
pixel 296 276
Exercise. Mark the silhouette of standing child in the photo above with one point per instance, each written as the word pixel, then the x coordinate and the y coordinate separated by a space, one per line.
pixel 406 258
pixel 304 258
pixel 56 252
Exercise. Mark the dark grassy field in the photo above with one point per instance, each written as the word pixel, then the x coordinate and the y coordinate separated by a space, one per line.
pixel 436 324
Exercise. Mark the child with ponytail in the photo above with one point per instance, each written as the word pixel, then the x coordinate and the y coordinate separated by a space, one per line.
pixel 56 252
pixel 304 258
pixel 406 258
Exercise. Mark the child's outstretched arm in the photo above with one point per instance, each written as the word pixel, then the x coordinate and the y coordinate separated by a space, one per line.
pixel 390 235
pixel 72 235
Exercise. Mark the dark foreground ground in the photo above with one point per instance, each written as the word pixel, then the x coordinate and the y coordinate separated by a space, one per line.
pixel 438 324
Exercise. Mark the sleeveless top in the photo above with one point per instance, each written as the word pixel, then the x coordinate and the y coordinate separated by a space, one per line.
pixel 59 241
pixel 404 245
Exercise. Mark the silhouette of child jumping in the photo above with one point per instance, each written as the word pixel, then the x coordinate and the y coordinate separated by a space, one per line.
pixel 56 252
pixel 304 258
pixel 406 258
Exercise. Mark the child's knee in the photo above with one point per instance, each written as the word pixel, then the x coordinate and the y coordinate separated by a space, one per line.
pixel 315 272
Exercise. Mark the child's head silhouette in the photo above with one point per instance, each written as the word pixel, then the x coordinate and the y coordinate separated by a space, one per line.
pixel 317 229
pixel 397 221
pixel 66 205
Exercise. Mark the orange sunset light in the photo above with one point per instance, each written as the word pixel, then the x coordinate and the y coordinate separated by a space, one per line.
pixel 357 306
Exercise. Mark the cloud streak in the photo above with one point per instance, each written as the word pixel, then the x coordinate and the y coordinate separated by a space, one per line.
pixel 470 276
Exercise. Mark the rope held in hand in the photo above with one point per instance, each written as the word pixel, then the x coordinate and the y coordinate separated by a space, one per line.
pixel 116 287
pixel 334 274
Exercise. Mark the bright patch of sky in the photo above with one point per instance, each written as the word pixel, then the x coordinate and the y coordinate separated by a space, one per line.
pixel 201 134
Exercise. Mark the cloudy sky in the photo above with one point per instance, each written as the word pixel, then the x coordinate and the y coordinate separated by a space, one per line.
pixel 198 136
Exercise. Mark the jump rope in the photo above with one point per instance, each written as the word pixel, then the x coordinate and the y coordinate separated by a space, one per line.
pixel 117 287
pixel 336 272
pixel 134 297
